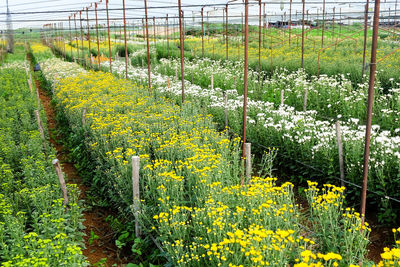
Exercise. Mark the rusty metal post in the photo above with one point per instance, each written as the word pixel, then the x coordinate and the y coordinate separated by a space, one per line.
pixel 333 24
pixel 83 48
pixel 167 37
pixel 109 41
pixel 226 32
pixel 77 39
pixel 302 37
pixel 259 40
pixel 97 35
pixel 148 45
pixel 70 37
pixel 265 24
pixel 154 30
pixel 202 32
pixel 126 47
pixel 182 54
pixel 323 23
pixel 246 52
pixel 290 22
pixel 365 37
pixel 309 24
pixel 63 39
pixel 242 29
pixel 223 26
pixel 144 33
pixel 88 29
pixel 369 109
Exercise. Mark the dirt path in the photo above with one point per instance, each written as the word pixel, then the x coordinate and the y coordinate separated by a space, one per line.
pixel 99 251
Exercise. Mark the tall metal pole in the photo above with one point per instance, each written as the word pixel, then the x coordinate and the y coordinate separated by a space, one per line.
pixel 365 36
pixel 109 41
pixel 323 23
pixel 369 109
pixel 70 37
pixel 259 39
pixel 246 52
pixel 333 24
pixel 154 30
pixel 144 30
pixel 148 45
pixel 97 34
pixel 77 39
pixel 265 24
pixel 202 32
pixel 63 39
pixel 302 37
pixel 126 47
pixel 290 21
pixel 88 29
pixel 182 54
pixel 82 46
pixel 167 37
pixel 226 32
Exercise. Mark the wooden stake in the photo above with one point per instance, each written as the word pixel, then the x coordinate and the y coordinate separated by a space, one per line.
pixel 39 121
pixel 305 99
pixel 282 96
pixel 340 149
pixel 30 85
pixel 212 82
pixel 226 109
pixel 84 116
pixel 60 175
pixel 248 160
pixel 136 193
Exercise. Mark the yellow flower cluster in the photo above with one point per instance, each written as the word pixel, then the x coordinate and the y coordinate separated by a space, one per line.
pixel 190 174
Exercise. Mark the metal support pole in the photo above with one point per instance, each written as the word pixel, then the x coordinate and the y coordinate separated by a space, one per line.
pixel 70 37
pixel 83 48
pixel 144 33
pixel 259 39
pixel 202 32
pixel 369 109
pixel 333 24
pixel 323 23
pixel 246 50
pixel 126 47
pixel 148 45
pixel 97 35
pixel 290 22
pixel 154 30
pixel 88 29
pixel 365 36
pixel 77 39
pixel 182 54
pixel 167 37
pixel 265 24
pixel 109 41
pixel 226 31
pixel 302 37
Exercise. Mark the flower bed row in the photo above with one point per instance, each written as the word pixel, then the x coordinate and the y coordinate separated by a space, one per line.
pixel 36 228
pixel 190 173
pixel 301 135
